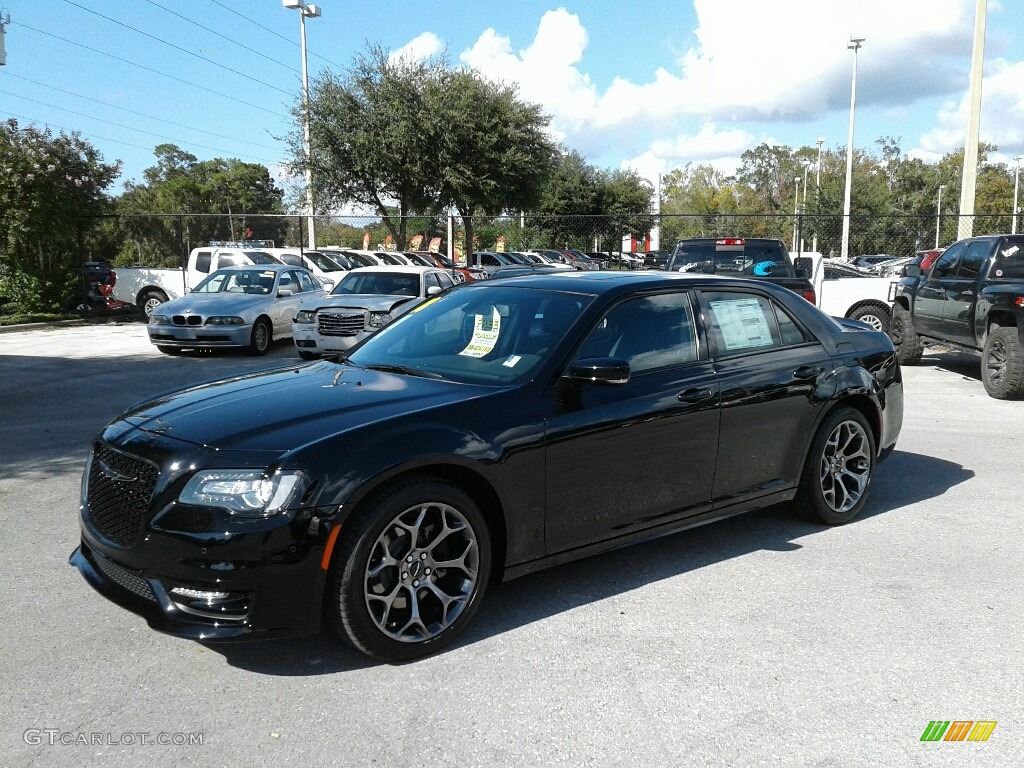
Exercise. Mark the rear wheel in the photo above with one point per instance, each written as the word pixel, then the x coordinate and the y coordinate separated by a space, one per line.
pixel 150 300
pixel 410 570
pixel 259 342
pixel 837 475
pixel 874 315
pixel 1002 365
pixel 904 338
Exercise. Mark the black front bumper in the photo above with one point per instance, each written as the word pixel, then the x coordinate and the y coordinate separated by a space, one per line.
pixel 272 602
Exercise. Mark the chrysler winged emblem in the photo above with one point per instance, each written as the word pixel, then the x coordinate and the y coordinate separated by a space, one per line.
pixel 113 474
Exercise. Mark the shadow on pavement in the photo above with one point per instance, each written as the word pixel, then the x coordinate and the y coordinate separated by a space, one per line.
pixel 901 481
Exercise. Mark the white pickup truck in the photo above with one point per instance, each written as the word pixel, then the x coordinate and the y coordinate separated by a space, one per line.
pixel 148 287
pixel 844 291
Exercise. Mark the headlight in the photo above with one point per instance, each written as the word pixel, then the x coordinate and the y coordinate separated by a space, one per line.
pixel 224 320
pixel 159 320
pixel 305 316
pixel 377 319
pixel 243 492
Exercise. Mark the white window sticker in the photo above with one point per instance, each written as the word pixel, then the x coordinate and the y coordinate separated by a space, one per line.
pixel 485 335
pixel 742 323
pixel 1011 250
pixel 512 361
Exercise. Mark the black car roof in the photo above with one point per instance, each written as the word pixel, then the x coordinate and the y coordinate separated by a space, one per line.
pixel 602 282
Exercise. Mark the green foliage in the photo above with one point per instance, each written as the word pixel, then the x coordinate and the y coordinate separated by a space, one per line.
pixel 47 183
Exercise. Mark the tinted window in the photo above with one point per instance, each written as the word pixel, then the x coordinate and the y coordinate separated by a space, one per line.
pixel 291 258
pixel 767 259
pixel 970 264
pixel 445 280
pixel 649 332
pixel 946 264
pixel 1009 261
pixel 743 322
pixel 203 261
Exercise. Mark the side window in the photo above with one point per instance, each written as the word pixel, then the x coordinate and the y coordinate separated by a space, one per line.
pixel 203 261
pixel 649 332
pixel 430 281
pixel 305 282
pixel 790 333
pixel 742 322
pixel 970 264
pixel 489 260
pixel 946 264
pixel 445 280
pixel 288 282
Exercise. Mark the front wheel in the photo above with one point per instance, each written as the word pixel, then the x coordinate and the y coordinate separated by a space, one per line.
pixel 410 571
pixel 837 474
pixel 904 338
pixel 1002 365
pixel 259 342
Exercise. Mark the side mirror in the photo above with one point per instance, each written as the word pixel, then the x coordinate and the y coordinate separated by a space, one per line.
pixel 433 290
pixel 599 370
pixel 912 270
pixel 284 293
pixel 802 265
pixel 328 285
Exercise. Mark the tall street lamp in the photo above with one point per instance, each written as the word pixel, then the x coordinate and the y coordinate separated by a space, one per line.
pixel 817 193
pixel 1016 182
pixel 311 11
pixel 854 45
pixel 938 214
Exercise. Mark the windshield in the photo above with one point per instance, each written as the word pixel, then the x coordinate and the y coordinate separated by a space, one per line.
pixel 379 283
pixel 259 257
pixel 254 281
pixel 488 335
pixel 765 259
pixel 324 262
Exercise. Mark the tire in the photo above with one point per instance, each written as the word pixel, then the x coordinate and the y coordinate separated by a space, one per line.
pixel 438 544
pixel 168 350
pixel 262 335
pixel 875 315
pixel 308 355
pixel 150 300
pixel 1002 364
pixel 837 475
pixel 904 338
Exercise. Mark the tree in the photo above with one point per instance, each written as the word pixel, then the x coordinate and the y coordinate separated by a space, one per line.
pixel 223 194
pixel 490 150
pixel 48 184
pixel 370 135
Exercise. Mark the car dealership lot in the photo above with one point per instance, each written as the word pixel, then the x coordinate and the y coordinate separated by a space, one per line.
pixel 758 640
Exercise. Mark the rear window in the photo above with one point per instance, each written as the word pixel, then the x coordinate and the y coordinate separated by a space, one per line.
pixel 732 256
pixel 1009 261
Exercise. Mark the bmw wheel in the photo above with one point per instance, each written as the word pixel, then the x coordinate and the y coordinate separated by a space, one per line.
pixel 410 571
pixel 837 474
pixel 259 342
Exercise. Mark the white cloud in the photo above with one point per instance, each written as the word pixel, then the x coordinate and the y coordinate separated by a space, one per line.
pixel 1002 115
pixel 419 48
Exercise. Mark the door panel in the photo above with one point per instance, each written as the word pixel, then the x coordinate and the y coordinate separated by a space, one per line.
pixel 931 303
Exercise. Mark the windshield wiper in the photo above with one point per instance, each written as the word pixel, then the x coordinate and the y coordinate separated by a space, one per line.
pixel 405 370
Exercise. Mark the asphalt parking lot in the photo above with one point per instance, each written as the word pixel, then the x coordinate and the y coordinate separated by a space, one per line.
pixel 759 640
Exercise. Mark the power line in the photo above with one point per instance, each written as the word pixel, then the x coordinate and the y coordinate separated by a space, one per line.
pixel 275 33
pixel 137 130
pixel 223 37
pixel 154 71
pixel 48 124
pixel 140 114
pixel 178 48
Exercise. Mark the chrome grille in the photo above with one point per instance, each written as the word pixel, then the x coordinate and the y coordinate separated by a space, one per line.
pixel 120 487
pixel 123 577
pixel 340 323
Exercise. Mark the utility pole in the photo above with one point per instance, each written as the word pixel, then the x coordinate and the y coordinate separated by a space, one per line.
pixel 4 21
pixel 970 170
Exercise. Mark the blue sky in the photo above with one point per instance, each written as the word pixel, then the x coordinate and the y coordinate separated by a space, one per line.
pixel 650 85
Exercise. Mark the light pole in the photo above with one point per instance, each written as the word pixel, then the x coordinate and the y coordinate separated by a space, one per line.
pixel 1016 182
pixel 817 193
pixel 796 211
pixel 938 215
pixel 312 11
pixel 854 45
pixel 968 191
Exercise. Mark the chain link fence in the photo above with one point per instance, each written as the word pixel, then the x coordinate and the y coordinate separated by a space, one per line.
pixel 166 240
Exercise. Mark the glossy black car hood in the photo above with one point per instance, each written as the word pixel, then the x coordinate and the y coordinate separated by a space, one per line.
pixel 272 410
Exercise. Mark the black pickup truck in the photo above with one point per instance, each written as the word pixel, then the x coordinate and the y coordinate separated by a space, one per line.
pixel 971 299
pixel 758 258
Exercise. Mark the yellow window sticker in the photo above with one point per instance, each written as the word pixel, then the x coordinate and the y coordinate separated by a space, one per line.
pixel 485 335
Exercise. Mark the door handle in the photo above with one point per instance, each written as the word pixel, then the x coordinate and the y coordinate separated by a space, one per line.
pixel 808 372
pixel 695 395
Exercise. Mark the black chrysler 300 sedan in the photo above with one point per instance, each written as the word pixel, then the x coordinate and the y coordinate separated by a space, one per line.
pixel 498 429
